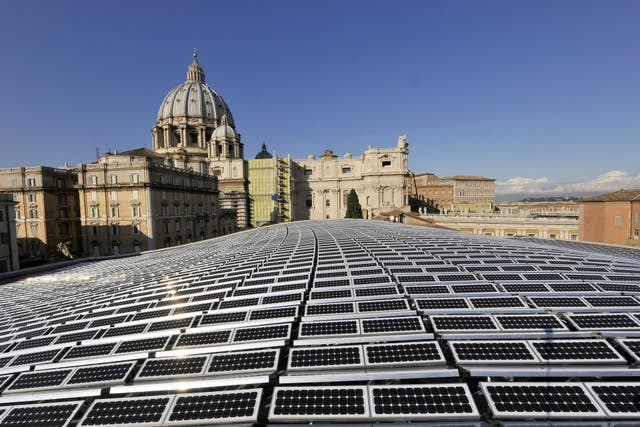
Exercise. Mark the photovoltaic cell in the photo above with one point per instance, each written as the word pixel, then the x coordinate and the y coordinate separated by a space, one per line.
pixel 417 353
pixel 99 374
pixel 41 415
pixel 182 366
pixel 325 357
pixel 319 403
pixel 243 361
pixel 215 407
pixel 127 411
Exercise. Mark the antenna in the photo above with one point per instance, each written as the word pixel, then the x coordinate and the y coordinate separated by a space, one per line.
pixel 97 153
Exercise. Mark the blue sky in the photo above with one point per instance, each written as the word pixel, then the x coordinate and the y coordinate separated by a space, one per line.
pixel 541 95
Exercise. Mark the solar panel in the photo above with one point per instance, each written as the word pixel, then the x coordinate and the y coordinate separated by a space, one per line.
pixel 319 403
pixel 510 400
pixel 452 323
pixel 101 374
pixel 511 352
pixel 145 344
pixel 41 415
pixel 329 328
pixel 325 357
pixel 87 351
pixel 139 411
pixel 598 321
pixel 389 325
pixel 172 367
pixel 39 380
pixel 576 351
pixel 619 400
pixel 529 322
pixel 413 353
pixel 422 402
pixel 228 363
pixel 262 333
pixel 202 339
pixel 215 407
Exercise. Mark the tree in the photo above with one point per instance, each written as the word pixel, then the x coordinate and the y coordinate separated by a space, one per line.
pixel 354 210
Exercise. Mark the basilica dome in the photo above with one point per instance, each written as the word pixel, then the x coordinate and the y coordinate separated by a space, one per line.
pixel 194 99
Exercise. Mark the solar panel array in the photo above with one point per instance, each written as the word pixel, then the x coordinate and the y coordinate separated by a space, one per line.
pixel 326 322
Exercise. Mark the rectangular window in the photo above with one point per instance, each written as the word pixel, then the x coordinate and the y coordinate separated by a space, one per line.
pixel 17 213
pixel 176 210
pixel 164 211
pixel 33 213
pixel 135 211
pixel 346 169
pixel 113 179
pixel 308 172
pixel 165 227
pixel 134 195
pixel 93 180
pixel 31 182
pixel 177 225
pixel 62 199
pixel 574 237
pixel 60 183
pixel 618 220
pixel 135 178
pixel 64 212
pixel 114 211
pixel 386 163
pixel 163 195
pixel 31 198
pixel 115 230
pixel 95 212
pixel 187 210
pixel 14 183
pixel 113 196
pixel 94 196
pixel 34 231
pixel 634 218
pixel 94 230
pixel 552 236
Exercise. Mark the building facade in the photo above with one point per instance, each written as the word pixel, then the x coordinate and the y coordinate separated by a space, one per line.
pixel 510 225
pixel 9 259
pixel 611 218
pixel 136 201
pixel 430 189
pixel 380 177
pixel 47 211
pixel 472 193
pixel 269 188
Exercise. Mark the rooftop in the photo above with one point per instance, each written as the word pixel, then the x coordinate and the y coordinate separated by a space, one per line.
pixel 346 321
pixel 621 195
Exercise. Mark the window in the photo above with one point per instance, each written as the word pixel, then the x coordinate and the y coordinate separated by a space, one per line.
pixel 553 236
pixel 94 230
pixel 95 212
pixel 165 227
pixel 177 226
pixel 327 203
pixel 635 233
pixel 135 178
pixel 17 213
pixel 93 180
pixel 113 179
pixel 94 196
pixel 1 216
pixel 113 195
pixel 134 195
pixel 14 183
pixel 164 211
pixel 63 212
pixel 135 211
pixel 31 198
pixel 188 223
pixel 34 231
pixel 163 195
pixel 309 203
pixel 60 183
pixel 62 199
pixel 634 218
pixel 176 210
pixel 136 229
pixel 114 211
pixel 187 210
pixel 31 182
pixel 115 229
pixel 574 237
pixel 33 213
pixel 308 172
pixel 618 220
pixel 386 163
pixel 346 169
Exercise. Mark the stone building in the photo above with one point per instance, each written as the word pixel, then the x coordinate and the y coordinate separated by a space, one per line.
pixel 196 130
pixel 611 218
pixel 430 189
pixel 47 213
pixel 471 193
pixel 380 177
pixel 9 259
pixel 136 201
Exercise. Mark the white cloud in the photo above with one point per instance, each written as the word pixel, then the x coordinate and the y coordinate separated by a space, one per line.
pixel 608 181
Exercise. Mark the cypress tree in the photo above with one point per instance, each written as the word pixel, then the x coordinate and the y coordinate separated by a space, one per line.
pixel 354 210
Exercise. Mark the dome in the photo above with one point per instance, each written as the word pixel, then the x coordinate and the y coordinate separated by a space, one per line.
pixel 264 154
pixel 194 99
pixel 224 131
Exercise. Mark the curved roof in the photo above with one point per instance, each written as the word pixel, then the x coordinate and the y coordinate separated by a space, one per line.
pixel 344 321
pixel 194 99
